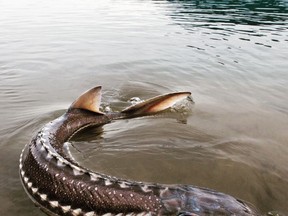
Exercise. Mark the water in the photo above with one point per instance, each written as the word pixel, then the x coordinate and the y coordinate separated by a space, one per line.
pixel 232 55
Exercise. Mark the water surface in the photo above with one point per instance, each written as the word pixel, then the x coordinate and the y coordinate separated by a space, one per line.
pixel 232 55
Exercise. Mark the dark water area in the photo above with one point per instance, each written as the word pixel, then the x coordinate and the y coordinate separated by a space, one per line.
pixel 232 56
pixel 254 13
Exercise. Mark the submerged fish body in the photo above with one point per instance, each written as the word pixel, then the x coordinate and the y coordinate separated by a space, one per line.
pixel 60 186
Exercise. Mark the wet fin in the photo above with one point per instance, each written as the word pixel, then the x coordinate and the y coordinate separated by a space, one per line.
pixel 156 104
pixel 89 100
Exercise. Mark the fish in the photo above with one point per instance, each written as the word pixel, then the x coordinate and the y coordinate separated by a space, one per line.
pixel 59 185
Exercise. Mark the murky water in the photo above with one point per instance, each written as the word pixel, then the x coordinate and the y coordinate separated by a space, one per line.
pixel 231 54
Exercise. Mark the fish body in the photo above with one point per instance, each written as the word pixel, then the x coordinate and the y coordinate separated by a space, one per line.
pixel 60 186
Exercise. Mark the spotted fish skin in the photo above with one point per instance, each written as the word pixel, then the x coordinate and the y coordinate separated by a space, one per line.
pixel 60 186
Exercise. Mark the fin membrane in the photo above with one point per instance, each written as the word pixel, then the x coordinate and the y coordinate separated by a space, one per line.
pixel 156 104
pixel 89 100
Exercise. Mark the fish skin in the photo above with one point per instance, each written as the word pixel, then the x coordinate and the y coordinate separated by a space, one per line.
pixel 60 186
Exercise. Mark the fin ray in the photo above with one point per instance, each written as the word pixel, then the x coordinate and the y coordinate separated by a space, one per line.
pixel 89 100
pixel 156 104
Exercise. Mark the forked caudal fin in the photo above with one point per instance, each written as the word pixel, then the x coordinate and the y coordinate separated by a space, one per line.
pixel 56 182
pixel 156 104
pixel 91 99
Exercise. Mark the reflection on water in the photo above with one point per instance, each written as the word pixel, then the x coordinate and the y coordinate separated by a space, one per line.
pixel 232 55
pixel 245 19
pixel 207 13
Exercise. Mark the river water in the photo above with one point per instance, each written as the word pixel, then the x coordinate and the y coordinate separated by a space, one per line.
pixel 232 56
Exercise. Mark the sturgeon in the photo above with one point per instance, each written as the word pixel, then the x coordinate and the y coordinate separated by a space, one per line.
pixel 59 185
